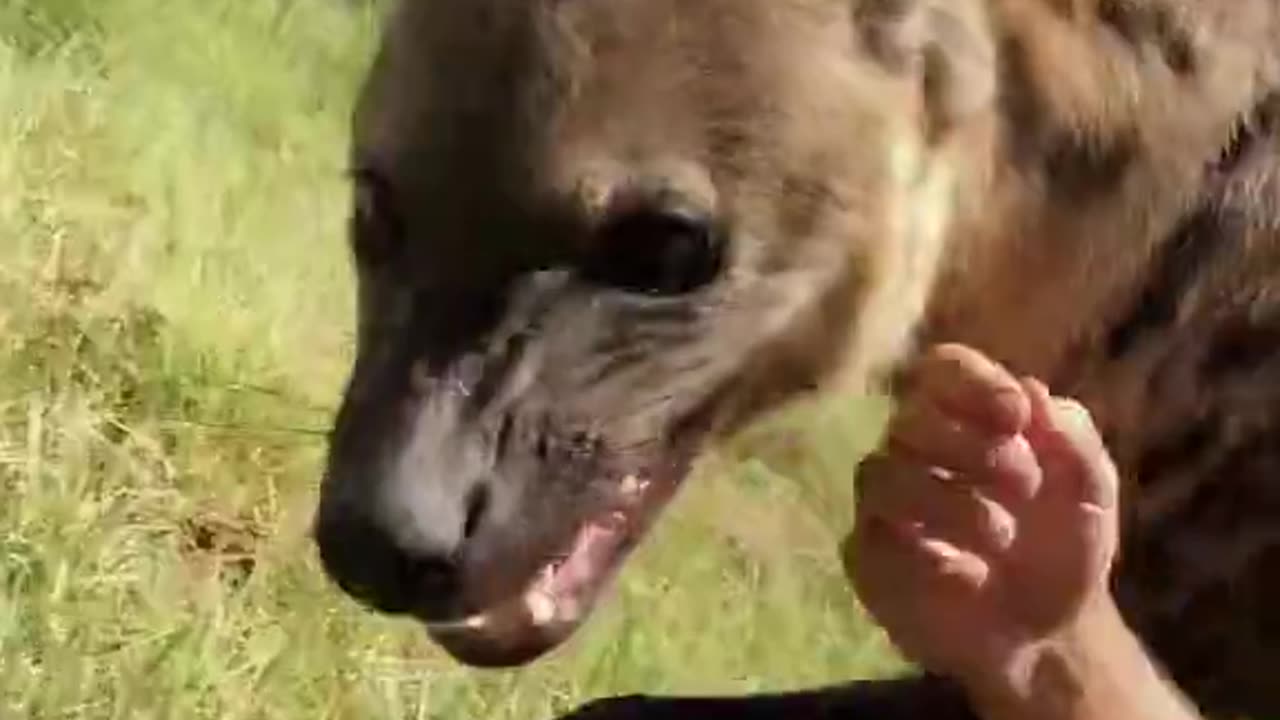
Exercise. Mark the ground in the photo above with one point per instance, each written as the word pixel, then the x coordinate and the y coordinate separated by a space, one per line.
pixel 175 318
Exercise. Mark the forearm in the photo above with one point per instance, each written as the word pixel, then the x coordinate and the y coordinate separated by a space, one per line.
pixel 1099 671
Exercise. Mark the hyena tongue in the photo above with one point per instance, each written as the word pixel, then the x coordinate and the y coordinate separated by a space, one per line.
pixel 565 589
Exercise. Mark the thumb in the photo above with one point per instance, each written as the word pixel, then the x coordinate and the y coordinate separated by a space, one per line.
pixel 1076 462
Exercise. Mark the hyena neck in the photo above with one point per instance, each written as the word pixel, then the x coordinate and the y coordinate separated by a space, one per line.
pixel 1035 274
pixel 1085 173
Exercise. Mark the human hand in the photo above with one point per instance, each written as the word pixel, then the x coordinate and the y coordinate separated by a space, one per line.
pixel 986 522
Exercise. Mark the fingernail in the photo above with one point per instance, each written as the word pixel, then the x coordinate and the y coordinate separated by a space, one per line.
pixel 1075 414
pixel 1017 466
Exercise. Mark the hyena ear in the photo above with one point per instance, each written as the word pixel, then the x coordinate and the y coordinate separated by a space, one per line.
pixel 946 45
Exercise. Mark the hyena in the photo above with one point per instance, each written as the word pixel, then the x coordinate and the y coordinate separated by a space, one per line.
pixel 594 236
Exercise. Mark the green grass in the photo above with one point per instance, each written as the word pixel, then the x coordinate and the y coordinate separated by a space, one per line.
pixel 174 329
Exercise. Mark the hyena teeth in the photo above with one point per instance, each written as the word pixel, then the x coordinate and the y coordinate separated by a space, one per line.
pixel 633 485
pixel 541 607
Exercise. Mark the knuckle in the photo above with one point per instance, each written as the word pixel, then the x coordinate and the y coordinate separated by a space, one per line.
pixel 1014 468
pixel 947 365
pixel 955 361
pixel 975 386
pixel 953 354
pixel 996 526
pixel 919 428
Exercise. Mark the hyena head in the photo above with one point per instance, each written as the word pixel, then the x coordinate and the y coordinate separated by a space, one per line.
pixel 592 236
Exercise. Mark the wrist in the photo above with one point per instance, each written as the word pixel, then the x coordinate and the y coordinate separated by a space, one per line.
pixel 1095 668
pixel 1060 676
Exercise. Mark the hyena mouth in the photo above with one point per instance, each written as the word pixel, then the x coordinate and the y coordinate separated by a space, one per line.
pixel 561 594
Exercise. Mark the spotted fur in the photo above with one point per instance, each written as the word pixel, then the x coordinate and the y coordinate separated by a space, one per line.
pixel 1146 287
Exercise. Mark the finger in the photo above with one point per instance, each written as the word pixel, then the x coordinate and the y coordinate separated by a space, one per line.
pixel 882 559
pixel 1001 465
pixel 905 496
pixel 1072 454
pixel 910 590
pixel 970 385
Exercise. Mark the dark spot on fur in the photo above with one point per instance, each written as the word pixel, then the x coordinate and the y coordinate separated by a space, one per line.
pixel 1240 347
pixel 1141 24
pixel 801 203
pixel 1024 115
pixel 1242 477
pixel 1249 134
pixel 1121 16
pixel 1077 164
pixel 1065 9
pixel 1146 565
pixel 730 141
pixel 1180 55
pixel 1197 641
pixel 1268 595
pixel 1085 166
pixel 1235 150
pixel 883 30
pixel 506 426
pixel 1178 266
pixel 1228 491
pixel 1188 635
pixel 1267 114
pixel 477 506
pixel 1180 450
pixel 881 26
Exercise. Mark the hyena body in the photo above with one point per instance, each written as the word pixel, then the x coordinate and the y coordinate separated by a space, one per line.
pixel 1145 281
pixel 594 236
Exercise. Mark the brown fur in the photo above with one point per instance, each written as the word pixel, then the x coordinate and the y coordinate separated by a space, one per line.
pixel 1086 190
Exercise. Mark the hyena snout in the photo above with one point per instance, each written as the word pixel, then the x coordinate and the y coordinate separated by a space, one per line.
pixel 398 550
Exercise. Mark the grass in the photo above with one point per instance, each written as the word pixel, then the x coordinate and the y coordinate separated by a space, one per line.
pixel 174 329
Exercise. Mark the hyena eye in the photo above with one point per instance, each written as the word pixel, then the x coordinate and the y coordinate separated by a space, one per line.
pixel 377 233
pixel 656 252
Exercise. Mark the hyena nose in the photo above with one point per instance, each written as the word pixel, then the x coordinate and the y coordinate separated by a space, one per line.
pixel 400 559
